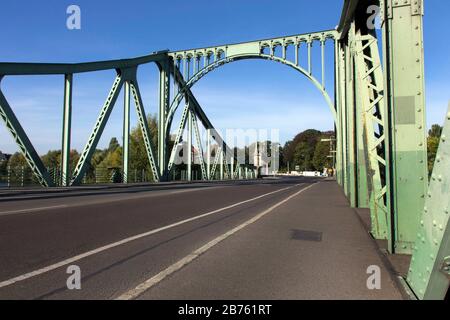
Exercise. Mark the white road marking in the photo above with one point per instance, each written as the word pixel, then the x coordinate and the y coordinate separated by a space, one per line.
pixel 141 288
pixel 127 240
pixel 106 200
pixel 4 213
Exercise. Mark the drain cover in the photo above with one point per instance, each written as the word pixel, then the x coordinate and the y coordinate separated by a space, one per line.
pixel 306 235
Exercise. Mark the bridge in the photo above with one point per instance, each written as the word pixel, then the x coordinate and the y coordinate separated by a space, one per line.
pixel 230 235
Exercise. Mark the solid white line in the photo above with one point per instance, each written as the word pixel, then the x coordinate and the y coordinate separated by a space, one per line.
pixel 32 209
pixel 124 241
pixel 141 288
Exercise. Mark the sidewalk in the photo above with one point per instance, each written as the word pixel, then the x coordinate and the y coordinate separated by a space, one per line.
pixel 312 247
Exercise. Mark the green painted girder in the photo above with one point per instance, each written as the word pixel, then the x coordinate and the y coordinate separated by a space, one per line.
pixel 223 54
pixel 429 273
pixel 405 99
pixel 66 131
pixel 375 134
pixel 12 68
pixel 164 101
pixel 126 131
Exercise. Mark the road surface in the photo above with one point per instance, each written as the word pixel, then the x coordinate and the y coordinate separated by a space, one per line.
pixel 289 238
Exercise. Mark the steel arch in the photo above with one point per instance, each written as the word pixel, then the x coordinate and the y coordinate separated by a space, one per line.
pixel 215 65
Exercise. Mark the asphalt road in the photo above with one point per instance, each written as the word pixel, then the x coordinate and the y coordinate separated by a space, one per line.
pixel 271 239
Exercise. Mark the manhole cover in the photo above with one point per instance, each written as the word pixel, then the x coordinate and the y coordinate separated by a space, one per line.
pixel 306 235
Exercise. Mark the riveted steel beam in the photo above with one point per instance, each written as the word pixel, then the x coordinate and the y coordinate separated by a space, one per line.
pixel 126 131
pixel 164 101
pixel 429 273
pixel 72 68
pixel 66 131
pixel 405 100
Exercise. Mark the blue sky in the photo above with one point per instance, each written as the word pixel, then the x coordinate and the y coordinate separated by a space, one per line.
pixel 248 94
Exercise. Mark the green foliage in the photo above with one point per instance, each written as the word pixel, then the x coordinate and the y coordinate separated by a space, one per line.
pixel 138 153
pixel 434 136
pixel 307 151
pixel 17 160
pixel 321 155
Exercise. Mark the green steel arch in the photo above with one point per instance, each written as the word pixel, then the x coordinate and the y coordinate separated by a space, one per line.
pixel 225 54
pixel 179 97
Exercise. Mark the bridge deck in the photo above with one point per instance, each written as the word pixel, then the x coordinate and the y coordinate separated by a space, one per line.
pixel 312 247
pixel 309 245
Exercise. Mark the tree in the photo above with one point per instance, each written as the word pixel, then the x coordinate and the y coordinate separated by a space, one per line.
pixel 17 160
pixel 305 145
pixel 434 136
pixel 321 158
pixel 113 144
pixel 435 131
pixel 52 159
pixel 138 152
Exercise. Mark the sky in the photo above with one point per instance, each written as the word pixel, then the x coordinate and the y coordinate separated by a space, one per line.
pixel 252 94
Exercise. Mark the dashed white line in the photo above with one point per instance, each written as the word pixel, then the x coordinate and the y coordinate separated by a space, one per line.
pixel 127 240
pixel 141 288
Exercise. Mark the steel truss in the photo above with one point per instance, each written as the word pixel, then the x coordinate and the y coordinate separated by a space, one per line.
pixel 378 109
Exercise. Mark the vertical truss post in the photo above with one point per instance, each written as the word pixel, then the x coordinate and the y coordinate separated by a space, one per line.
pixel 351 139
pixel 126 130
pixel 337 99
pixel 221 161
pixel 232 167
pixel 21 138
pixel 344 128
pixel 164 103
pixel 322 50
pixel 429 273
pixel 189 147
pixel 208 153
pixel 296 48
pixel 66 134
pixel 405 102
pixel 309 43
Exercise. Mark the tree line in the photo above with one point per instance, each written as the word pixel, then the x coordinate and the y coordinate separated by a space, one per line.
pixel 306 151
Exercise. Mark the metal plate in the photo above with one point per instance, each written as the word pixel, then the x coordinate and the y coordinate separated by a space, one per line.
pixel 306 235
